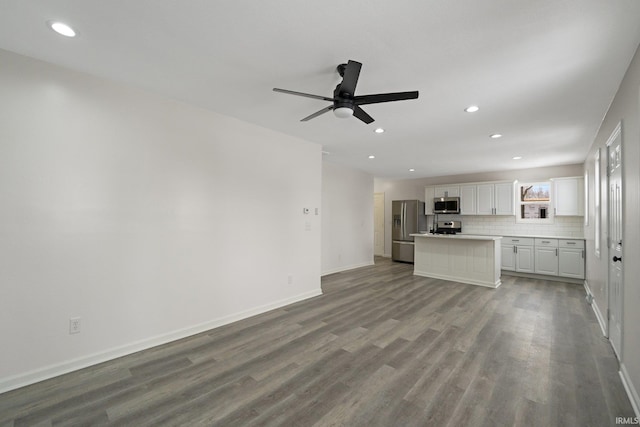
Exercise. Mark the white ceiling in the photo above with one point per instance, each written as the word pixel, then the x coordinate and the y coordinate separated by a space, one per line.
pixel 543 72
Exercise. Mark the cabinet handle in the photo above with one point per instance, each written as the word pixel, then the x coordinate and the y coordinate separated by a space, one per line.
pixel 546 241
pixel 515 249
pixel 571 243
pixel 515 240
pixel 583 254
pixel 556 252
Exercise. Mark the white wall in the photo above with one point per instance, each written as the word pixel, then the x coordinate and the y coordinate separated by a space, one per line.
pixel 624 108
pixel 147 218
pixel 493 225
pixel 347 218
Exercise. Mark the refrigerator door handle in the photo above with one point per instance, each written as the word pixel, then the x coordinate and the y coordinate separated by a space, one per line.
pixel 404 221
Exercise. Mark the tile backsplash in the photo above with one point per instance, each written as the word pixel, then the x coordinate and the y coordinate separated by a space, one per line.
pixel 492 225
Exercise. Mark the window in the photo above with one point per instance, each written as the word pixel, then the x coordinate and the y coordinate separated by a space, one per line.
pixel 534 202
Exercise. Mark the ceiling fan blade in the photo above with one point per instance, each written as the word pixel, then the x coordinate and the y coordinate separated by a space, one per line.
pixel 308 95
pixel 362 115
pixel 318 113
pixel 384 97
pixel 350 78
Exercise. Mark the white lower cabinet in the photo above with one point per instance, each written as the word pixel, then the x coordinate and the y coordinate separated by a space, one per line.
pixel 552 257
pixel 524 259
pixel 546 256
pixel 571 258
pixel 517 254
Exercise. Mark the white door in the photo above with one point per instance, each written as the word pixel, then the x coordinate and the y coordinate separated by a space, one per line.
pixel 614 172
pixel 378 224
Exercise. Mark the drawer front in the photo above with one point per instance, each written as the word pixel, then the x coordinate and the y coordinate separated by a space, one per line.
pixel 571 243
pixel 522 241
pixel 551 243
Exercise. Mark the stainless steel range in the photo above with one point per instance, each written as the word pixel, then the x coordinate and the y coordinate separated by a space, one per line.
pixel 448 227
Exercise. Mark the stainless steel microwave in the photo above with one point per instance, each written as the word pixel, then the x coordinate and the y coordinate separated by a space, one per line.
pixel 446 205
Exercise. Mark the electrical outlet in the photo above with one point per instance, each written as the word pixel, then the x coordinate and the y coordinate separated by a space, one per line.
pixel 74 325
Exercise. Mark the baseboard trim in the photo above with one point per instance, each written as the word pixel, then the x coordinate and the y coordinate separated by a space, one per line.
pixel 464 280
pixel 588 292
pixel 630 389
pixel 542 277
pixel 596 310
pixel 347 267
pixel 51 371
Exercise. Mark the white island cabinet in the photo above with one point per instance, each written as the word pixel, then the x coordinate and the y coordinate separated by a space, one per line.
pixel 459 258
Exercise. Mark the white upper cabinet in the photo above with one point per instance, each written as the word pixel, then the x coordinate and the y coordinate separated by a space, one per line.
pixel 504 199
pixel 486 196
pixel 447 191
pixel 569 196
pixel 495 199
pixel 468 199
pixel 429 195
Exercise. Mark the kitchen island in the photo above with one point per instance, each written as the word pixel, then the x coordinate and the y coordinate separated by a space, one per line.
pixel 461 258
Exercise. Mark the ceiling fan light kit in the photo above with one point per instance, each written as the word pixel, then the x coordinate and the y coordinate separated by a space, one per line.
pixel 343 112
pixel 344 102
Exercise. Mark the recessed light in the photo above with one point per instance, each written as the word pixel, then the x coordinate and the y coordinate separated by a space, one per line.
pixel 412 170
pixel 372 157
pixel 62 28
pixel 496 136
pixel 472 109
pixel 517 157
pixel 379 130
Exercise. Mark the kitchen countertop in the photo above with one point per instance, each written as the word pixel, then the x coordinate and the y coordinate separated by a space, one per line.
pixel 457 236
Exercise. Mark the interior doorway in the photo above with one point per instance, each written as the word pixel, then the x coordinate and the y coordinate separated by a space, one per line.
pixel 378 224
pixel 615 244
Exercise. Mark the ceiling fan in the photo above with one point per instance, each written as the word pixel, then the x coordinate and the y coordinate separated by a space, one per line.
pixel 345 102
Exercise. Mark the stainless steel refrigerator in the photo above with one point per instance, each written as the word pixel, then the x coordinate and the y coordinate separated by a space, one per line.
pixel 408 218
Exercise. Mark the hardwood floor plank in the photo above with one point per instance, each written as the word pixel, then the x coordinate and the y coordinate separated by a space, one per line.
pixel 380 347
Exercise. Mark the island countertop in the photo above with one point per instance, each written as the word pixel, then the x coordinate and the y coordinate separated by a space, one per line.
pixel 457 236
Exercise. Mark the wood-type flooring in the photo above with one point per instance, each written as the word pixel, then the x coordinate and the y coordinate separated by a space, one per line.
pixel 380 347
